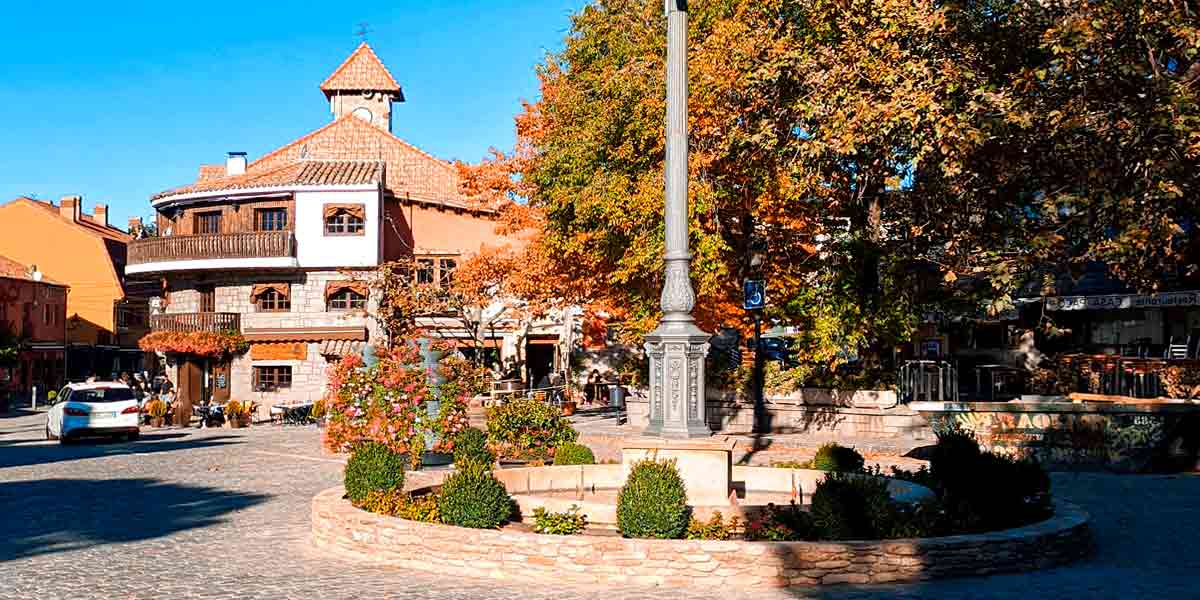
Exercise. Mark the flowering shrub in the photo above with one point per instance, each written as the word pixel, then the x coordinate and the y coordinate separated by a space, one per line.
pixel 199 343
pixel 386 403
pixel 527 429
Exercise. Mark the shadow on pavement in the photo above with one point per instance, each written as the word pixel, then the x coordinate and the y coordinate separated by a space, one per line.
pixel 18 453
pixel 56 515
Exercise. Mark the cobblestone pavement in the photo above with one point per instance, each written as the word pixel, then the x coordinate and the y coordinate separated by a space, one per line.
pixel 224 514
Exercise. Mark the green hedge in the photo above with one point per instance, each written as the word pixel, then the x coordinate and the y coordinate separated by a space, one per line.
pixel 574 454
pixel 837 458
pixel 471 445
pixel 373 467
pixel 653 502
pixel 472 497
pixel 528 429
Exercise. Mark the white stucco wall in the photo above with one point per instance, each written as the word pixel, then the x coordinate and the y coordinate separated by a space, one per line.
pixel 315 249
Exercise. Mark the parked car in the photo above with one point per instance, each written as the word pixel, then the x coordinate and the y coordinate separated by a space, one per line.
pixel 93 409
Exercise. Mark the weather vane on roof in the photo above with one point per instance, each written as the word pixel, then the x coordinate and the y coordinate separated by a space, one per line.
pixel 363 30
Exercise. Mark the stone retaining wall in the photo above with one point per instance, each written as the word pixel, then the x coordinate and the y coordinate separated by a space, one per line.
pixel 789 415
pixel 511 554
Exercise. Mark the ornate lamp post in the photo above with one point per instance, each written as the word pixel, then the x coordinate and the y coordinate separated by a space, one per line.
pixel 677 347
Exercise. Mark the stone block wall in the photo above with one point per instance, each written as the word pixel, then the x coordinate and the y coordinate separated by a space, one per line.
pixel 786 415
pixel 340 528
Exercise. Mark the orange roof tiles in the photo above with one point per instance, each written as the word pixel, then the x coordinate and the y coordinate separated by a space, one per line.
pixel 361 71
pixel 210 172
pixel 299 172
pixel 410 171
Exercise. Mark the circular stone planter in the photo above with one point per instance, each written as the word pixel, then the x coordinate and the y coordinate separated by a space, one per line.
pixel 339 527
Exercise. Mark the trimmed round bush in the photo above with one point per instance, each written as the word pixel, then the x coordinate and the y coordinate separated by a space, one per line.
pixel 470 446
pixel 473 498
pixel 954 458
pixel 850 507
pixel 373 467
pixel 653 502
pixel 528 429
pixel 574 454
pixel 837 458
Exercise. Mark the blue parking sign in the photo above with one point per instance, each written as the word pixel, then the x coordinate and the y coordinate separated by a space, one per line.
pixel 754 294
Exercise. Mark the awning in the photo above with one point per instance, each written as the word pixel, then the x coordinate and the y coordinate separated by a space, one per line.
pixel 282 288
pixel 333 287
pixel 1124 301
pixel 358 211
pixel 341 348
pixel 305 334
pixel 543 340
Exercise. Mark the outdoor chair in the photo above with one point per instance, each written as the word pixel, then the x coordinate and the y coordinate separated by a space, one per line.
pixel 1178 350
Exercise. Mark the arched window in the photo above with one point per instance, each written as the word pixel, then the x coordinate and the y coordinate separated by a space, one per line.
pixel 345 219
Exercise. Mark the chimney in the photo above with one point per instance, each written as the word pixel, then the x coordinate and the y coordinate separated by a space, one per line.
pixel 235 164
pixel 69 207
pixel 135 226
pixel 100 216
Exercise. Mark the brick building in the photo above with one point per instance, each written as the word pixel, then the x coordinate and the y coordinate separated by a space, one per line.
pixel 270 247
pixel 33 330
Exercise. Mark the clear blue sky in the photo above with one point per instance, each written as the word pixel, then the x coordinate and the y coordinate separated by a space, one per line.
pixel 119 100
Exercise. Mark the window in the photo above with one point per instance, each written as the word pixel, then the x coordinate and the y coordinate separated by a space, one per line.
pixel 346 299
pixel 269 379
pixel 344 219
pixel 271 219
pixel 208 222
pixel 446 271
pixel 272 300
pixel 425 270
pixel 208 299
pixel 437 271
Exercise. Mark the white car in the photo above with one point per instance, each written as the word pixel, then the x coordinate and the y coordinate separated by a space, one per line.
pixel 94 409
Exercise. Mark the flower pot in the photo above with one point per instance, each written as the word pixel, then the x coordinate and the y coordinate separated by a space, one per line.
pixel 568 409
pixel 156 421
pixel 236 422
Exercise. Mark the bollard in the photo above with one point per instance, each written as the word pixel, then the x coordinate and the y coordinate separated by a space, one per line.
pixel 33 400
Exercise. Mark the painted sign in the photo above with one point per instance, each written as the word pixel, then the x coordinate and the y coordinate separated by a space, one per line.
pixel 279 351
pixel 1123 301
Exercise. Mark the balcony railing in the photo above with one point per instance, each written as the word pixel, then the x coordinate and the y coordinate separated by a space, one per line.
pixel 252 244
pixel 205 321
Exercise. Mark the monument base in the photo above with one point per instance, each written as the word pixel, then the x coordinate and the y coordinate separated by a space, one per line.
pixel 677 350
pixel 706 466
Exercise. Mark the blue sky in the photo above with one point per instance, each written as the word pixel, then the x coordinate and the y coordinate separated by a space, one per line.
pixel 118 100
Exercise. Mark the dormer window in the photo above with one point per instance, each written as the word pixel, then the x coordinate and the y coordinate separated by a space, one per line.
pixel 271 297
pixel 345 219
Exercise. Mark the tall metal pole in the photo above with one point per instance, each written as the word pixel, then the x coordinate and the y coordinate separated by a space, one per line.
pixel 677 348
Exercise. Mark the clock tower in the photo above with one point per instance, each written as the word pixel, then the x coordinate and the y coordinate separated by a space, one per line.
pixel 363 87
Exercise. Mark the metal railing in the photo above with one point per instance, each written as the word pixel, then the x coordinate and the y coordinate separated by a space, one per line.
pixel 928 381
pixel 251 244
pixel 205 321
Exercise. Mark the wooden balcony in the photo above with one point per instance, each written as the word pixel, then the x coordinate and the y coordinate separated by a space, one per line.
pixel 251 244
pixel 186 322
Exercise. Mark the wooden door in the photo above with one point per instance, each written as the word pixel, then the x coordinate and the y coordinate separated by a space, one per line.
pixel 191 389
pixel 220 382
pixel 208 298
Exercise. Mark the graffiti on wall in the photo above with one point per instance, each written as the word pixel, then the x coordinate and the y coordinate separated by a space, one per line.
pixel 1126 442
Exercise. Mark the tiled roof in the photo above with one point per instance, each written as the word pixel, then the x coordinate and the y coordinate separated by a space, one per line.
pixel 209 172
pixel 410 171
pixel 15 270
pixel 361 71
pixel 85 221
pixel 297 172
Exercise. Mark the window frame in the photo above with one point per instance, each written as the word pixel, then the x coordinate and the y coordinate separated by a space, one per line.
pixel 208 296
pixel 436 270
pixel 350 297
pixel 343 224
pixel 277 213
pixel 203 220
pixel 280 377
pixel 278 301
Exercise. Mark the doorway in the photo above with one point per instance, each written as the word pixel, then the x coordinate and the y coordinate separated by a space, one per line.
pixel 539 361
pixel 193 387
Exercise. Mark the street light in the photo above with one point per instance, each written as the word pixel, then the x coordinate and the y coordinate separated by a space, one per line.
pixel 677 348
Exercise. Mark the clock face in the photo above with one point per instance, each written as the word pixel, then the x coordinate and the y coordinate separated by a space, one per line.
pixel 364 113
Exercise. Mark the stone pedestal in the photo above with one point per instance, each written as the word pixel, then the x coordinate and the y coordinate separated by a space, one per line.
pixel 706 466
pixel 677 408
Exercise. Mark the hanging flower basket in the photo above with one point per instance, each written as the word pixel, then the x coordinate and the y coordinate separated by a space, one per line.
pixel 198 343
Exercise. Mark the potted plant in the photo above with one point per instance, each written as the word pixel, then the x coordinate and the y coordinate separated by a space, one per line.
pixel 157 409
pixel 239 414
